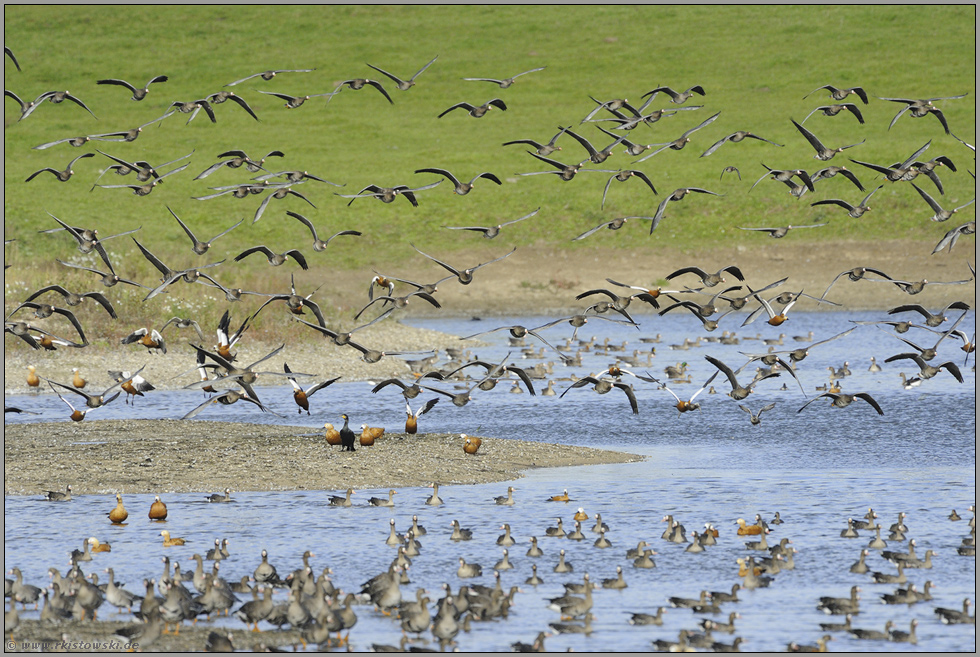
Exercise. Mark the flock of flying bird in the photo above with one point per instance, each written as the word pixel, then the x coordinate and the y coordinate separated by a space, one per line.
pixel 229 382
pixel 236 383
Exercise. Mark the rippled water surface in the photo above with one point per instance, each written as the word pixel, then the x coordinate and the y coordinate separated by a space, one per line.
pixel 817 468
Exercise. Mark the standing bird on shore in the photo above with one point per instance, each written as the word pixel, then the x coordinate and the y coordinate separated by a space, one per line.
pixel 471 445
pixel 346 435
pixel 412 421
pixel 331 434
pixel 369 435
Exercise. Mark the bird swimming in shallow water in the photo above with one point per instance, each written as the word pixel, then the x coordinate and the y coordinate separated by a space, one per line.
pixel 508 499
pixel 97 546
pixel 158 510
pixel 171 542
pixel 220 497
pixel 119 514
pixel 559 498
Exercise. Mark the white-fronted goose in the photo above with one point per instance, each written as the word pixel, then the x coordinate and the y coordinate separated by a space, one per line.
pixel 823 152
pixel 477 111
pixel 138 94
pixel 405 85
pixel 506 82
pixel 62 175
pixel 834 110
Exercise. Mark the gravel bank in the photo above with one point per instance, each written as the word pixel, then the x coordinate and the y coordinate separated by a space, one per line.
pixel 171 456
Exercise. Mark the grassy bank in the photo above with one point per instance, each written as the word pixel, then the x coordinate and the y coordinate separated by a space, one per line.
pixel 358 138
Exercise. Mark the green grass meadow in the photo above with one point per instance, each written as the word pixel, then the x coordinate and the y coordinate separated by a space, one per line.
pixel 756 64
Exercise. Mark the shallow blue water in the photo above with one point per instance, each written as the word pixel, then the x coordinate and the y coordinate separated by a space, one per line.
pixel 817 467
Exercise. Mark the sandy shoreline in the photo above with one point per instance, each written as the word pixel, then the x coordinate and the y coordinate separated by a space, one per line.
pixel 150 456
